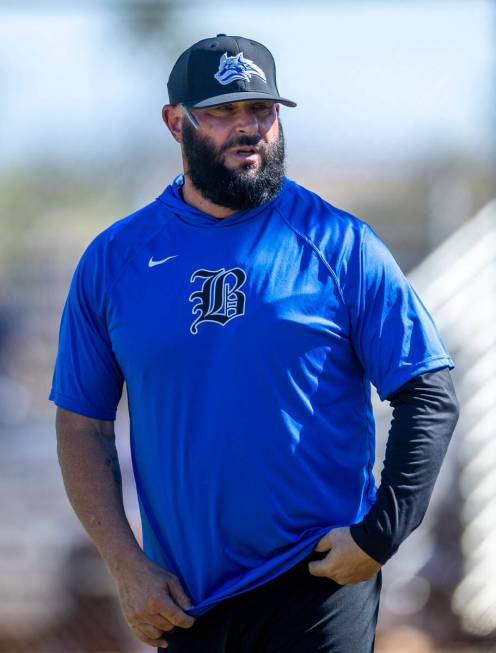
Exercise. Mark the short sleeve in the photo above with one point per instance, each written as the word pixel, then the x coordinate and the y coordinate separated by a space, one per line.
pixel 87 378
pixel 393 334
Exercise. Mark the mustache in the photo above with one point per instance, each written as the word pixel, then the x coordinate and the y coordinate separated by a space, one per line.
pixel 250 141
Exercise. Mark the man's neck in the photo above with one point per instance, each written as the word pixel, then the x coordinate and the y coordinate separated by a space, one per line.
pixel 192 196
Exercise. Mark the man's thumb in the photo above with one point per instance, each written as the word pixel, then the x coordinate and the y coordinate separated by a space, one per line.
pixel 179 595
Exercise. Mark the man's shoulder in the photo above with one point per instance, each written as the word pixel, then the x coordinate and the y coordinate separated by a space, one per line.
pixel 129 231
pixel 118 242
pixel 110 251
pixel 327 227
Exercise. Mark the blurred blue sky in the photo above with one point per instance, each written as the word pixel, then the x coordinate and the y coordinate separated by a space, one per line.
pixel 372 79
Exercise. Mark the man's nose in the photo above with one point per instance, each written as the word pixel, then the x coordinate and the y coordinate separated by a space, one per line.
pixel 247 121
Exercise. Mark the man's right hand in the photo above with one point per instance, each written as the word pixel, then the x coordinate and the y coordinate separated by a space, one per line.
pixel 151 599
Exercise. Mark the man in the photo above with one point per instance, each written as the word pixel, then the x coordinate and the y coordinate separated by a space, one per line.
pixel 247 317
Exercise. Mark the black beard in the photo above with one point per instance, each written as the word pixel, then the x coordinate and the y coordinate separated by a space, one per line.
pixel 238 189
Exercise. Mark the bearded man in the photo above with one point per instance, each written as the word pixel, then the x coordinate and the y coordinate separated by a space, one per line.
pixel 248 318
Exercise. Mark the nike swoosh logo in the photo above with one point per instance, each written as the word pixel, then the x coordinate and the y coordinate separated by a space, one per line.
pixel 152 263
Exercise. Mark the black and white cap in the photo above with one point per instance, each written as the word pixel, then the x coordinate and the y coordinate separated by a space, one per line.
pixel 224 69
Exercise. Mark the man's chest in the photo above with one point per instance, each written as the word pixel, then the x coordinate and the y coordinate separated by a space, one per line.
pixel 181 303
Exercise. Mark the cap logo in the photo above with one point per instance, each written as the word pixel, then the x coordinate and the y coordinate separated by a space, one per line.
pixel 237 67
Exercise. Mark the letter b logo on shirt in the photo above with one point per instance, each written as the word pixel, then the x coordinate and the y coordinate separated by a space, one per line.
pixel 220 298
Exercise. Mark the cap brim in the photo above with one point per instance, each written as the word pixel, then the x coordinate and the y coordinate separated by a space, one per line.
pixel 238 97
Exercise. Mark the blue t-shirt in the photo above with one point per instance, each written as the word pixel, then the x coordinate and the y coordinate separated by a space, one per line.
pixel 247 345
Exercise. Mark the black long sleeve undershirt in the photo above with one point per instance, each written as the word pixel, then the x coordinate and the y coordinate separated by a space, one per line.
pixel 425 412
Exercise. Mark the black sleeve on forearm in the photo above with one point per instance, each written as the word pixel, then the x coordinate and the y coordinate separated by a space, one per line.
pixel 425 412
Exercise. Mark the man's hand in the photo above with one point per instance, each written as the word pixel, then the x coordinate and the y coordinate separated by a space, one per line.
pixel 151 600
pixel 346 562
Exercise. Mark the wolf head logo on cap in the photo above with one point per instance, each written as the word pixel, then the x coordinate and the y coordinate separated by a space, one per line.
pixel 237 67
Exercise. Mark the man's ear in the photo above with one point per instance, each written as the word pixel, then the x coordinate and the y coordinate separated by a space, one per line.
pixel 173 118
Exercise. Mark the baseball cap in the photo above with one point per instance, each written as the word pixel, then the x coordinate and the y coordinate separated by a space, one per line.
pixel 224 69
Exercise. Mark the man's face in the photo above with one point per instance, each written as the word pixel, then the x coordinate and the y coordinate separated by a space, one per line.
pixel 236 158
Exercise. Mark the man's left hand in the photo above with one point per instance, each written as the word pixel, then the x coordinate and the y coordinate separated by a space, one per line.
pixel 346 562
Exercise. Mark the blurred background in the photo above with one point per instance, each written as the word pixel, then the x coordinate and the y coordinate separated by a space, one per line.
pixel 396 123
